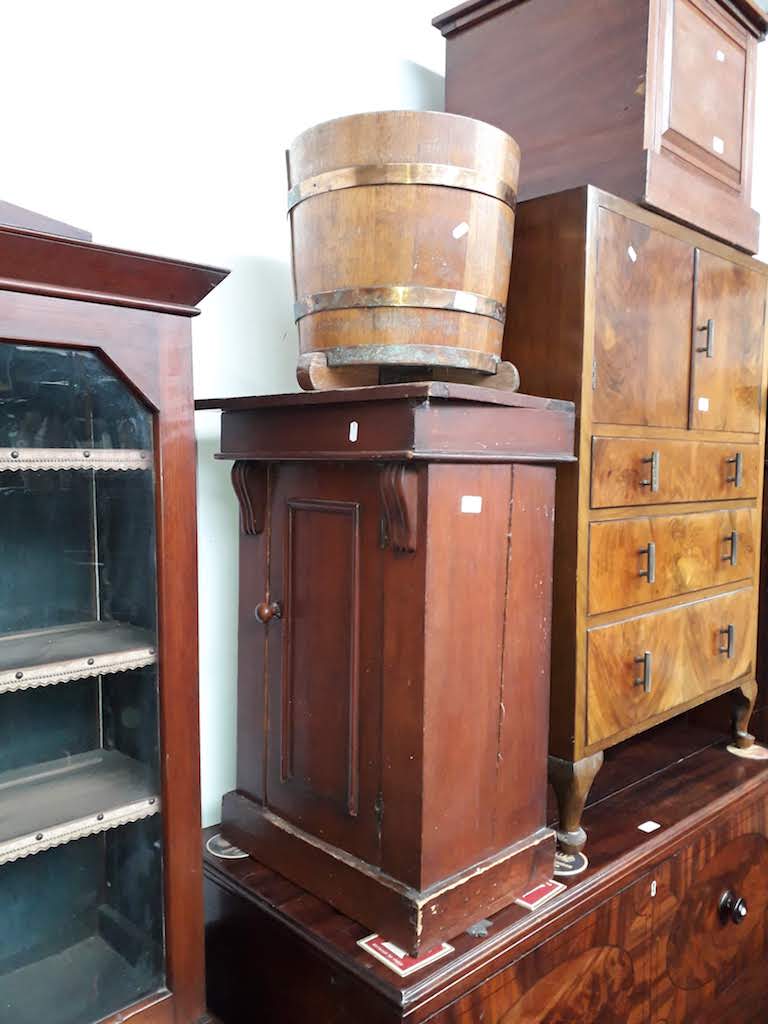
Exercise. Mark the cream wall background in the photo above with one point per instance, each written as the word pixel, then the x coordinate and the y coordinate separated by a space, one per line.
pixel 161 125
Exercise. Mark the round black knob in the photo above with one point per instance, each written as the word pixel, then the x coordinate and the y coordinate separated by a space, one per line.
pixel 267 611
pixel 732 907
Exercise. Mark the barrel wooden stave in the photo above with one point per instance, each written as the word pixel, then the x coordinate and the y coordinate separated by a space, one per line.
pixel 408 235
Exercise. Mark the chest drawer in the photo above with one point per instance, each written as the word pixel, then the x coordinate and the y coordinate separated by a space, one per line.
pixel 646 558
pixel 648 666
pixel 644 471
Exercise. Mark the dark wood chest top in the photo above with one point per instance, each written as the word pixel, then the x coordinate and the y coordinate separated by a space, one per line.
pixel 427 421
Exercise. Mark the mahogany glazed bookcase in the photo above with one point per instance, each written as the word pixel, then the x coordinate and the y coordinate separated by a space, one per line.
pixel 100 869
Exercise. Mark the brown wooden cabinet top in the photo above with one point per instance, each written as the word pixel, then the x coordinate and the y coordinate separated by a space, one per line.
pixel 32 260
pixel 432 421
pixel 751 13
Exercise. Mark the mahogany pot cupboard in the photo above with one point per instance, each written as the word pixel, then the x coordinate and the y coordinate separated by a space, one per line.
pixel 395 588
pixel 665 927
pixel 659 335
pixel 652 100
pixel 100 867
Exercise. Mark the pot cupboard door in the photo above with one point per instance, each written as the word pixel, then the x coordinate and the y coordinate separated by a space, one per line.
pixel 642 324
pixel 711 926
pixel 727 343
pixel 325 581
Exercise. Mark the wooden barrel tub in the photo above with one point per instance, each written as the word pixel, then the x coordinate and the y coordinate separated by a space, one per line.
pixel 401 229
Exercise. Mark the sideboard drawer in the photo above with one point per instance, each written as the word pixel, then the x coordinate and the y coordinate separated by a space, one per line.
pixel 647 666
pixel 646 558
pixel 646 471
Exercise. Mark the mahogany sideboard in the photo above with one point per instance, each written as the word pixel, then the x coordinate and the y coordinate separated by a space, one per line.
pixel 650 99
pixel 657 333
pixel 665 926
pixel 395 589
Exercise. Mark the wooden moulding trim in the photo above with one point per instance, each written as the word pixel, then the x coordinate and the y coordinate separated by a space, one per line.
pixel 471 13
pixel 408 916
pixel 10 284
pixel 402 454
pixel 155 1009
pixel 419 898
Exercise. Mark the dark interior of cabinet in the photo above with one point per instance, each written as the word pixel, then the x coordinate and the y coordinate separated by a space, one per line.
pixel 81 929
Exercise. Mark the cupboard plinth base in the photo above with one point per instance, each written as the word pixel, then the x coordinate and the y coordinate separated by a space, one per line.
pixel 414 919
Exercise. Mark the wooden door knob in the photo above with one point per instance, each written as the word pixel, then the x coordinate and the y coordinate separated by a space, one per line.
pixel 732 907
pixel 266 611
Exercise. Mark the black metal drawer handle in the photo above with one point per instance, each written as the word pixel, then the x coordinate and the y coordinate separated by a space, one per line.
pixel 654 459
pixel 646 659
pixel 650 569
pixel 709 347
pixel 738 474
pixel 733 554
pixel 729 632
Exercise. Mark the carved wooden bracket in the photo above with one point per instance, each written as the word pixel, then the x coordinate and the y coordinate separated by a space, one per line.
pixel 249 480
pixel 399 487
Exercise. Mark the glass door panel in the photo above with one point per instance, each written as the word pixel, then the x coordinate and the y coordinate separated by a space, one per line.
pixel 81 934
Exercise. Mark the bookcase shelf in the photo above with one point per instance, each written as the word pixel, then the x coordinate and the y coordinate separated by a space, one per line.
pixel 18 459
pixel 57 802
pixel 44 657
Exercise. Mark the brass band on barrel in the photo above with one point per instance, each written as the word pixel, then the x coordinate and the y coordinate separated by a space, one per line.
pixel 403 174
pixel 413 296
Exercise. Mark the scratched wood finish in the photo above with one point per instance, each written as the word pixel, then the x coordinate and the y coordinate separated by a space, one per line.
pixel 605 950
pixel 688 660
pixel 704 471
pixel 653 101
pixel 689 552
pixel 584 272
pixel 356 721
pixel 395 235
pixel 60 302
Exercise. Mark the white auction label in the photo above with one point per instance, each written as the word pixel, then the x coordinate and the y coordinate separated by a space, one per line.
pixel 703 404
pixel 471 503
pixel 353 431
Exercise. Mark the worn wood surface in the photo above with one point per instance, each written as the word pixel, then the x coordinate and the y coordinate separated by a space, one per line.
pixel 653 101
pixel 356 726
pixel 600 945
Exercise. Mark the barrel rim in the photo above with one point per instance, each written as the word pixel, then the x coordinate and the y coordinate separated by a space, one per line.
pixel 431 113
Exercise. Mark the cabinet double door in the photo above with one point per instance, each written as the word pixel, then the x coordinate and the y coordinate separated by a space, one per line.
pixel 679 332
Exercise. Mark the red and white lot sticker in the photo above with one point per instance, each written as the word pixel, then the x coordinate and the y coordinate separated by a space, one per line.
pixel 397 959
pixel 535 897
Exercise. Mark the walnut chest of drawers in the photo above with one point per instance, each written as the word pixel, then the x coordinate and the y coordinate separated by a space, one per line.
pixel 657 334
pixel 650 99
